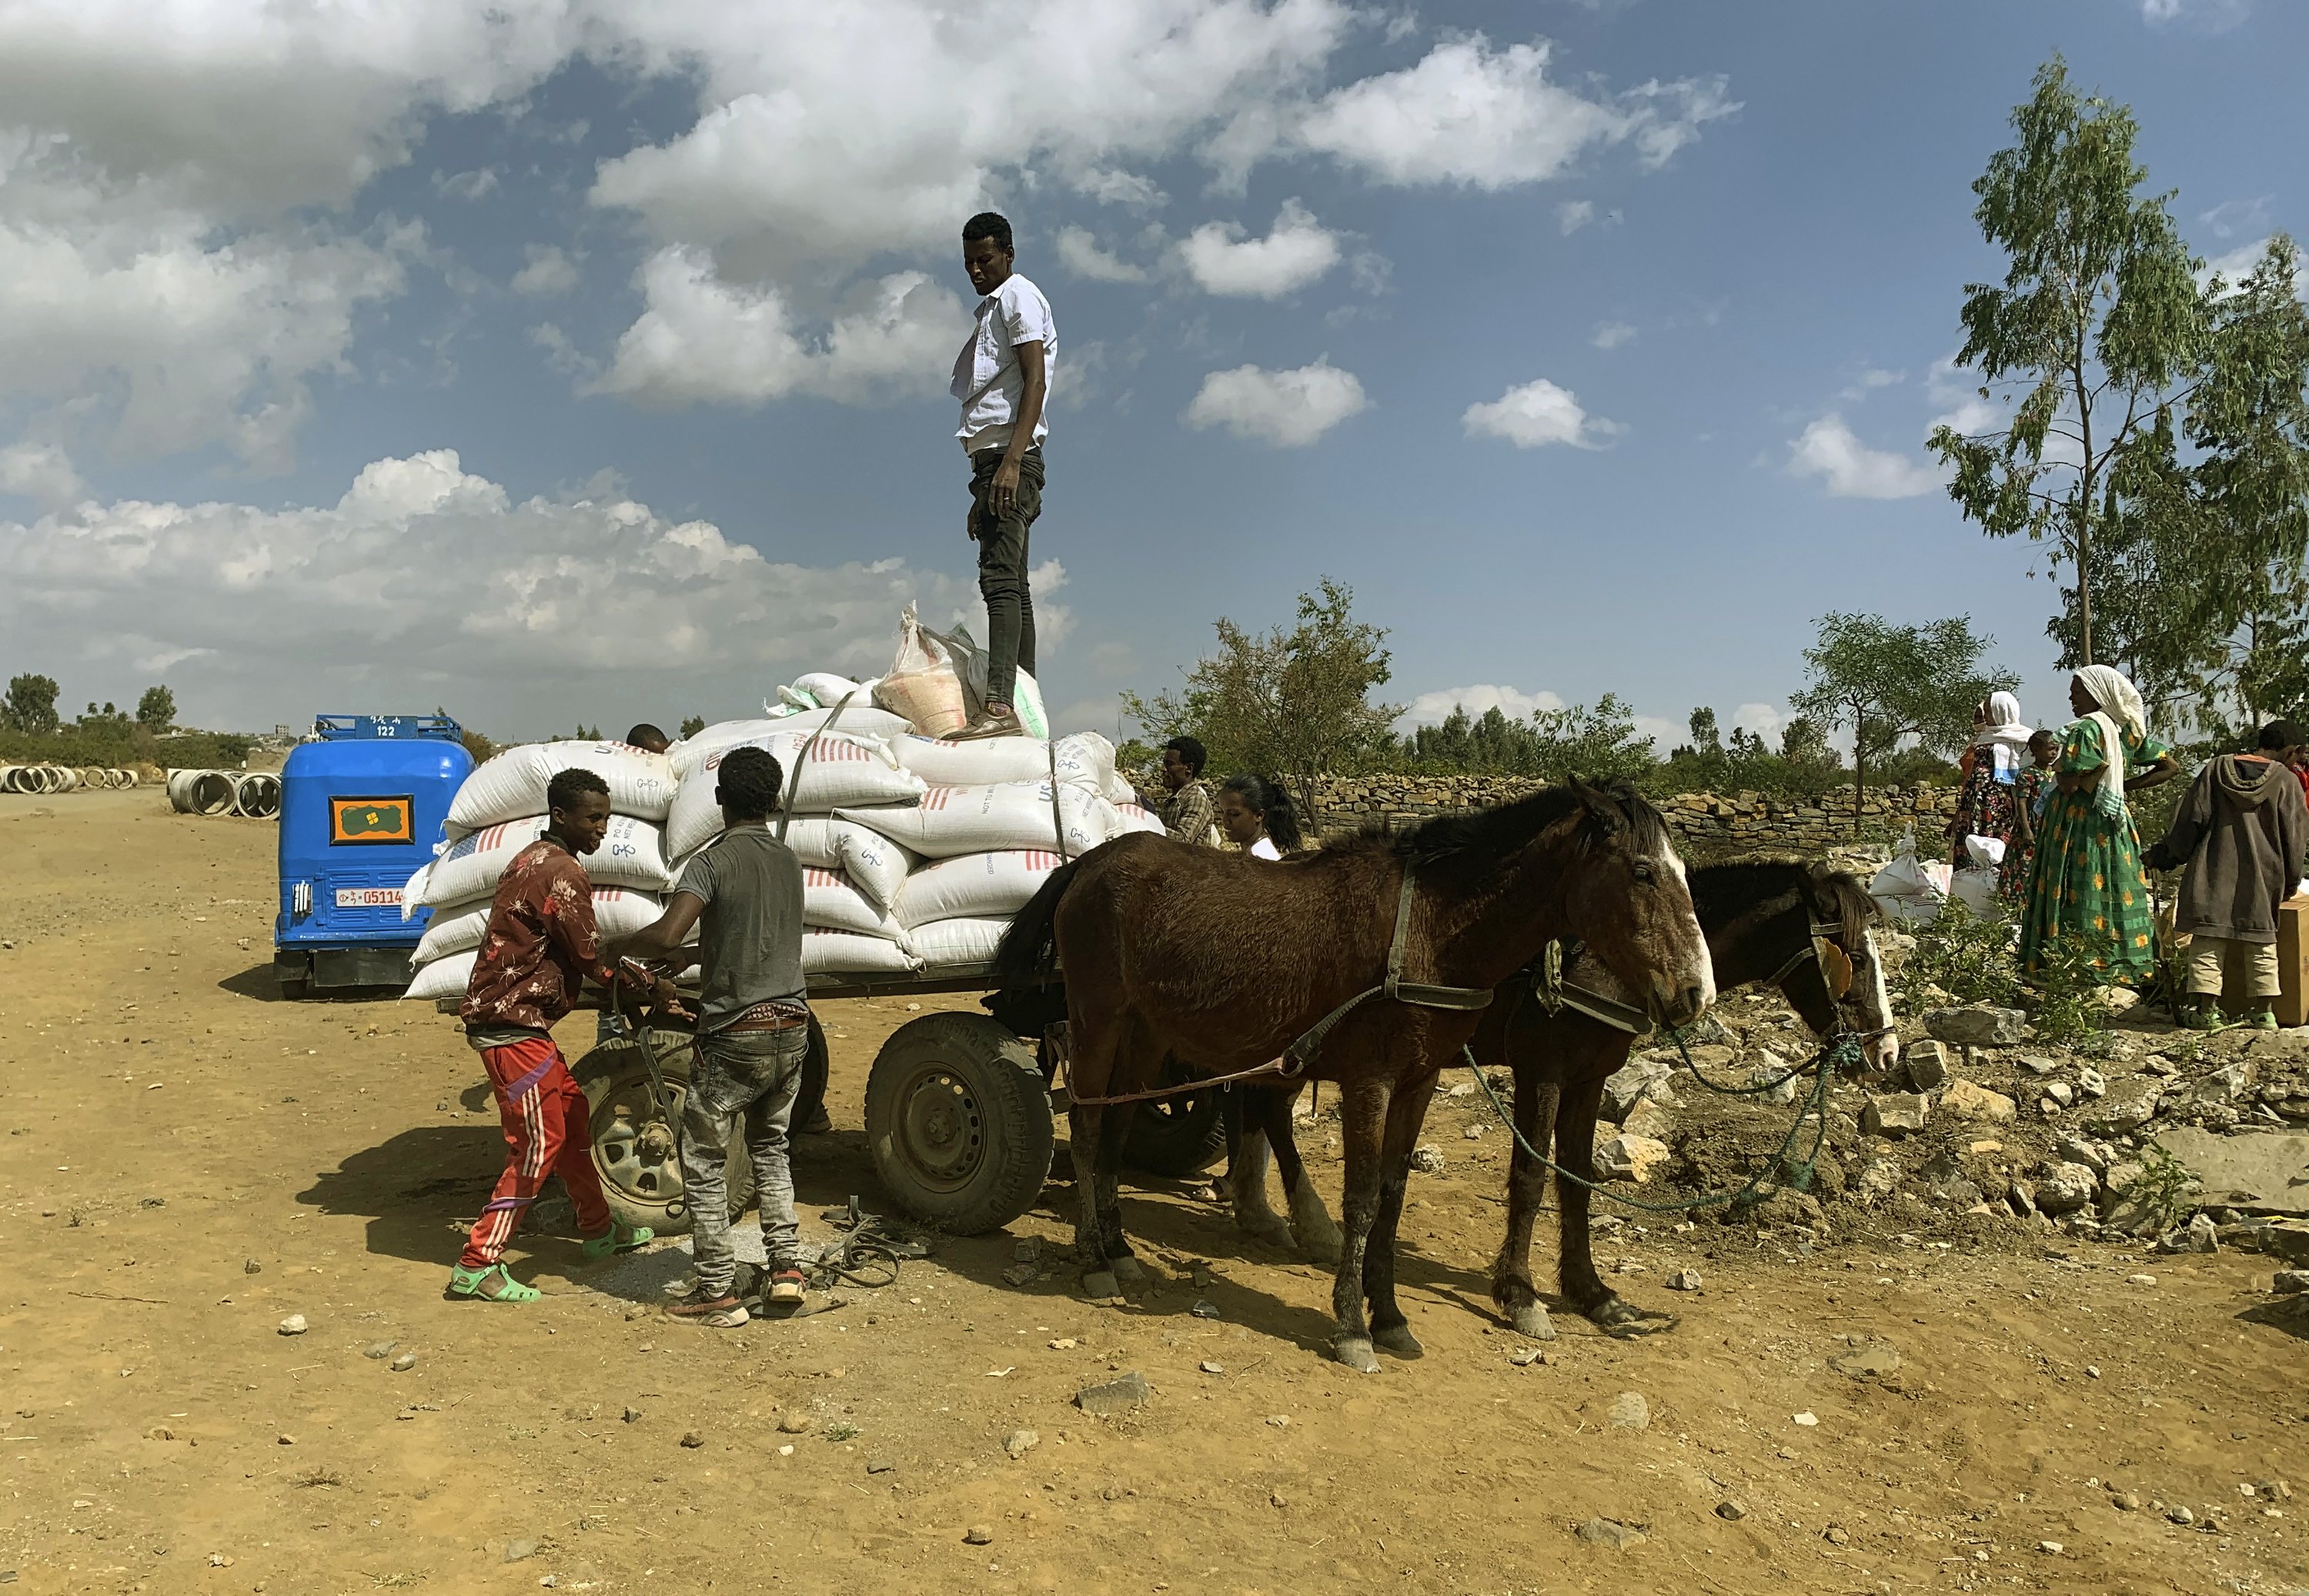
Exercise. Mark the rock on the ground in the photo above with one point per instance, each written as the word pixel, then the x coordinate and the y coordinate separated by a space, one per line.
pixel 2128 1106
pixel 2226 1087
pixel 1969 1100
pixel 1018 1443
pixel 2202 1237
pixel 1427 1159
pixel 2288 1281
pixel 1630 1084
pixel 977 1535
pixel 1880 1179
pixel 2066 1187
pixel 1629 1411
pixel 1684 1280
pixel 2075 1150
pixel 1868 1363
pixel 1925 1064
pixel 1630 1158
pixel 1611 1533
pixel 1979 1026
pixel 2039 1064
pixel 1896 1113
pixel 294 1325
pixel 2091 1082
pixel 1114 1397
pixel 403 1364
pixel 380 1350
pixel 517 1551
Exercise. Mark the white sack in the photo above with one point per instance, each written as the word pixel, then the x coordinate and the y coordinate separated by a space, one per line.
pixel 956 819
pixel 876 866
pixel 845 952
pixel 509 785
pixel 824 689
pixel 841 769
pixel 444 978
pixel 861 716
pixel 1908 888
pixel 979 886
pixel 828 900
pixel 1986 853
pixel 1138 817
pixel 921 683
pixel 943 763
pixel 956 944
pixel 1975 888
pixel 632 854
pixel 618 911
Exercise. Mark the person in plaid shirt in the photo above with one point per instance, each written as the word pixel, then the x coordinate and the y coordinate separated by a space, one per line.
pixel 541 946
pixel 1185 806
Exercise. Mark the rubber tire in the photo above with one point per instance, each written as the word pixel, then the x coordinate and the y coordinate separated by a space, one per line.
pixel 1174 1137
pixel 816 1067
pixel 616 1082
pixel 293 991
pixel 1002 1122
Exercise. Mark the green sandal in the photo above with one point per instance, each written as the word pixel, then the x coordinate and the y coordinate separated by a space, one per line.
pixel 477 1285
pixel 616 1238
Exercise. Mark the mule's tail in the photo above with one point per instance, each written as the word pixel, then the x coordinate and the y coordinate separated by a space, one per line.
pixel 1029 953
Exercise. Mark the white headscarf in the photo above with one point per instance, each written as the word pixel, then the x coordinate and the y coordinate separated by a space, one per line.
pixel 2120 710
pixel 2005 736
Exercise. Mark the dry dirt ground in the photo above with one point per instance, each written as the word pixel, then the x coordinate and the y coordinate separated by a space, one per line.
pixel 187 1161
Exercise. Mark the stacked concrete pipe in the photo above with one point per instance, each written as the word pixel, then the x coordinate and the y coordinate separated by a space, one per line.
pixel 253 794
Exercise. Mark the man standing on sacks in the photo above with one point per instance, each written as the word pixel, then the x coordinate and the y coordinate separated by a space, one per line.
pixel 744 894
pixel 1002 378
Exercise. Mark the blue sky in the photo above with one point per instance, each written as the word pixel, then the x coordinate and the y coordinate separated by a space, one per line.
pixel 1593 345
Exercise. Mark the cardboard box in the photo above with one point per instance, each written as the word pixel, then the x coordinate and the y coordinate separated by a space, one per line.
pixel 2293 962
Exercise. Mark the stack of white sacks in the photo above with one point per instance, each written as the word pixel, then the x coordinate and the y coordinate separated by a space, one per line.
pixel 916 852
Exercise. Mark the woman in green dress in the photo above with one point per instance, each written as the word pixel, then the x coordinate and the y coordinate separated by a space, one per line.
pixel 2087 886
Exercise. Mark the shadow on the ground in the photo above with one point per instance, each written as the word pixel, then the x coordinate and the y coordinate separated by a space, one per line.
pixel 2289 1313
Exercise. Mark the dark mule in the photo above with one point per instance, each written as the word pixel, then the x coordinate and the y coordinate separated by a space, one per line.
pixel 1759 916
pixel 1132 926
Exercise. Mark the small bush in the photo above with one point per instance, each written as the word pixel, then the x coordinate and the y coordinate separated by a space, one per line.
pixel 1969 959
pixel 2164 1188
pixel 2068 991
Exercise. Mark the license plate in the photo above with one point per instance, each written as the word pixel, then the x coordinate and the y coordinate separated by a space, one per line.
pixel 368 897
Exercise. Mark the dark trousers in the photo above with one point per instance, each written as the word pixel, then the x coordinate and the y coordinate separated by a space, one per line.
pixel 1002 568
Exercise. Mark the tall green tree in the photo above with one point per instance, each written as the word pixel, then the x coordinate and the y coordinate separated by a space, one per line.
pixel 30 705
pixel 1295 702
pixel 156 712
pixel 2156 418
pixel 2098 327
pixel 1887 684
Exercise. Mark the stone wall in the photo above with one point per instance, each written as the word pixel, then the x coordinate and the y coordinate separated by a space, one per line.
pixel 1708 822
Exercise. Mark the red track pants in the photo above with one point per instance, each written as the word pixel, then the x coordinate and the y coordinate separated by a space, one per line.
pixel 547 1130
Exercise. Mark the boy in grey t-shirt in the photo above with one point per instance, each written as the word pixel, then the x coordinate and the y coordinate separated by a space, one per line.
pixel 744 894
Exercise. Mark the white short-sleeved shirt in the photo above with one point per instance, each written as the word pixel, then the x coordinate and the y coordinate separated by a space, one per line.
pixel 987 377
pixel 1265 848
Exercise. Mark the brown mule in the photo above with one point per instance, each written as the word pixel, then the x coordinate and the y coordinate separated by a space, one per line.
pixel 1459 903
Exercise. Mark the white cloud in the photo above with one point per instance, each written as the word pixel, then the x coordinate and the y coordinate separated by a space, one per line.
pixel 1574 214
pixel 549 273
pixel 1110 186
pixel 1767 721
pixel 170 276
pixel 41 472
pixel 1850 469
pixel 1080 253
pixel 1870 380
pixel 1957 393
pixel 2233 267
pixel 2214 16
pixel 1298 250
pixel 1537 414
pixel 426 585
pixel 1468 113
pixel 1428 709
pixel 1611 335
pixel 701 340
pixel 471 186
pixel 1286 409
pixel 1053 622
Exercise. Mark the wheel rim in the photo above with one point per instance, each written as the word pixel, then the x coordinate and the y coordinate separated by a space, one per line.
pixel 941 1129
pixel 632 1148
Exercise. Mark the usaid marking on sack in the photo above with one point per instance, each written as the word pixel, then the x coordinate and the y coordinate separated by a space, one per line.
pixel 368 897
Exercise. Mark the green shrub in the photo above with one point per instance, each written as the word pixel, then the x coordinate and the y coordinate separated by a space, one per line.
pixel 1971 960
pixel 2068 991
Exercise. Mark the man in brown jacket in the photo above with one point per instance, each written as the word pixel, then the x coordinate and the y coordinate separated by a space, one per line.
pixel 2242 830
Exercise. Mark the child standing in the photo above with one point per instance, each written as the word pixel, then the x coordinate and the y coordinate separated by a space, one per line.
pixel 2030 790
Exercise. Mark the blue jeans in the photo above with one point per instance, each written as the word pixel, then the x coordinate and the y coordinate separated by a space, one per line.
pixel 749 1075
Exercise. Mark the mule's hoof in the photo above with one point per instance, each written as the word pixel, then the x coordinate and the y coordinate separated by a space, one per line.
pixel 1397 1341
pixel 1531 1320
pixel 1322 1245
pixel 1098 1285
pixel 1623 1320
pixel 1355 1352
pixel 1270 1230
pixel 1127 1270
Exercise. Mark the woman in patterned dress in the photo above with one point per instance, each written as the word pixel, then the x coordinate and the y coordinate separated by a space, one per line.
pixel 2087 884
pixel 1985 804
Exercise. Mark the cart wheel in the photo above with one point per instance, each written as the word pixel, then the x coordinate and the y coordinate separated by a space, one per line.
pixel 633 1147
pixel 1177 1136
pixel 809 1102
pixel 959 1121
